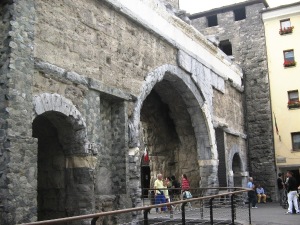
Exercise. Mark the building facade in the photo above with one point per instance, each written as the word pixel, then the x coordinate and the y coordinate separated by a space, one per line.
pixel 88 86
pixel 282 41
pixel 238 30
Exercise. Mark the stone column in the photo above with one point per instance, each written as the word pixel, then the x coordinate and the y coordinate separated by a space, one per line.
pixel 18 176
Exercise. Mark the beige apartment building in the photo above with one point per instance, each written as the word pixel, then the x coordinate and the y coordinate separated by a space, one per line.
pixel 282 30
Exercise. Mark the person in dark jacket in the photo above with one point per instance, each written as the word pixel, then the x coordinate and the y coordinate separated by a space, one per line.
pixel 292 188
pixel 280 186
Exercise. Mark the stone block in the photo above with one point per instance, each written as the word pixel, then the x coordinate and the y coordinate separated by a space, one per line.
pixel 185 61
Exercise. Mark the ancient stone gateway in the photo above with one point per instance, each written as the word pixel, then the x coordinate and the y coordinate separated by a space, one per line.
pixel 86 86
pixel 171 100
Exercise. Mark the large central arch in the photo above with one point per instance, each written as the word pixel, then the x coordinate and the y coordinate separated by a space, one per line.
pixel 172 77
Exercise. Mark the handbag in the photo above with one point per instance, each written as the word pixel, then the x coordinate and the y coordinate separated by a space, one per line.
pixel 187 195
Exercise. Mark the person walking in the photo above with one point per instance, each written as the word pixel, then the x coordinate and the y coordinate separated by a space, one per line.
pixel 252 193
pixel 292 188
pixel 185 184
pixel 159 192
pixel 185 187
pixel 280 186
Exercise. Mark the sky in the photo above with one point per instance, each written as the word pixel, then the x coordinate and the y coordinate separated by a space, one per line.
pixel 194 6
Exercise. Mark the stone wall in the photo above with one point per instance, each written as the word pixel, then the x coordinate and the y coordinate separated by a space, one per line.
pixel 249 51
pixel 229 121
pixel 101 41
pixel 173 3
pixel 18 183
pixel 4 79
pixel 85 70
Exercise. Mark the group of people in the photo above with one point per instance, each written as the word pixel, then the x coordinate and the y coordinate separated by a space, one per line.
pixel 291 187
pixel 256 194
pixel 167 189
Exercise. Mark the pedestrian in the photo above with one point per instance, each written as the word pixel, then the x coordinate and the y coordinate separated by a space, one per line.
pixel 252 193
pixel 176 191
pixel 292 188
pixel 280 186
pixel 167 186
pixel 260 194
pixel 185 184
pixel 185 187
pixel 159 192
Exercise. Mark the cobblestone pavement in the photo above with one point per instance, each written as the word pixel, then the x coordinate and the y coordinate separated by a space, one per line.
pixel 273 214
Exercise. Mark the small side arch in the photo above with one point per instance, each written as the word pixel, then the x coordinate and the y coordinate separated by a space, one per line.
pixel 236 167
pixel 46 104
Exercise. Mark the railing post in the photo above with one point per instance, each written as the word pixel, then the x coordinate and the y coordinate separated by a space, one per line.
pixel 94 220
pixel 232 209
pixel 183 213
pixel 249 206
pixel 211 211
pixel 146 211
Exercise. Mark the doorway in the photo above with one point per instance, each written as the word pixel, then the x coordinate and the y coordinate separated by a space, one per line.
pixel 145 180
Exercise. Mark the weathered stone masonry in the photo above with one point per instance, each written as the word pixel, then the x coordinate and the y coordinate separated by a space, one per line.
pixel 77 80
pixel 249 51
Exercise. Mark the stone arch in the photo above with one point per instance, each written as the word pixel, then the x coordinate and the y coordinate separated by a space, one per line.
pixel 197 109
pixel 236 168
pixel 194 100
pixel 46 102
pixel 65 167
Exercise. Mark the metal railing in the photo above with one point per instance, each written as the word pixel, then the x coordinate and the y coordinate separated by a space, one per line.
pixel 224 208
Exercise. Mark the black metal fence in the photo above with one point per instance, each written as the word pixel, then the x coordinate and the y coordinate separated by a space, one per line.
pixel 208 206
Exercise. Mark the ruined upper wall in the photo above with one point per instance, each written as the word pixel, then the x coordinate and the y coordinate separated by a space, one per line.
pixel 94 41
pixel 180 35
pixel 96 35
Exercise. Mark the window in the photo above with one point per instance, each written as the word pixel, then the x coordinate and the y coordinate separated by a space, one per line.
pixel 226 47
pixel 296 141
pixel 289 59
pixel 285 23
pixel 293 101
pixel 239 14
pixel 212 21
pixel 285 27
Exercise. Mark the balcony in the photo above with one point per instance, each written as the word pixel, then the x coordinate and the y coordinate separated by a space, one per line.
pixel 294 104
pixel 286 30
pixel 289 63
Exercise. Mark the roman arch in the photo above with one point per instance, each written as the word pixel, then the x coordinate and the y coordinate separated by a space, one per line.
pixel 237 173
pixel 192 132
pixel 64 161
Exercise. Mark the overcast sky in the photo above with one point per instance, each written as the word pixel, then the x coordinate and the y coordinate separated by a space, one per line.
pixel 194 6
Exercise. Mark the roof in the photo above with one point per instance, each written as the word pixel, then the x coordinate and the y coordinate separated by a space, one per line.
pixel 227 8
pixel 282 7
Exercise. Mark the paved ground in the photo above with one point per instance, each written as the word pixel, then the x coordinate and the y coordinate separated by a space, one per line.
pixel 273 214
pixel 265 214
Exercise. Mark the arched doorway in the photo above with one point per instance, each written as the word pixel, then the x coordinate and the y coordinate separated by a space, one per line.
pixel 169 135
pixel 62 147
pixel 179 130
pixel 51 169
pixel 237 171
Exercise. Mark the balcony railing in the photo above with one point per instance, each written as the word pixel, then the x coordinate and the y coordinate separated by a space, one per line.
pixel 286 30
pixel 227 207
pixel 288 63
pixel 293 104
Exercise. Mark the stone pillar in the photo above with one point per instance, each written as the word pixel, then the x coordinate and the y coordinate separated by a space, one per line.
pixel 208 173
pixel 19 150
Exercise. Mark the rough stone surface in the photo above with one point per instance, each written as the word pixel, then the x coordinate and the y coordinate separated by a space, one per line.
pixel 77 82
pixel 249 51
